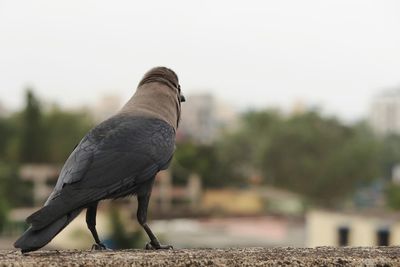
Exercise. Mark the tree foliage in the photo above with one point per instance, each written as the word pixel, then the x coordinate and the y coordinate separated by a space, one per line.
pixel 32 131
pixel 34 136
pixel 317 157
pixel 393 196
pixel 320 158
pixel 203 160
pixel 390 155
pixel 15 191
pixel 63 132
pixel 119 237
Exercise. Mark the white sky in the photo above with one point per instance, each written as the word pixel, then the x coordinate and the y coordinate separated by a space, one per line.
pixel 333 54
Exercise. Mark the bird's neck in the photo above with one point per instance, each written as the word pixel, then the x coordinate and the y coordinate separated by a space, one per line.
pixel 154 100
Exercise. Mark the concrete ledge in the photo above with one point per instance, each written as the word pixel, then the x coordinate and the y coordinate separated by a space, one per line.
pixel 321 256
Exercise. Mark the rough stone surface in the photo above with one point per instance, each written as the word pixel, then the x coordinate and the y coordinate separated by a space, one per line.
pixel 321 256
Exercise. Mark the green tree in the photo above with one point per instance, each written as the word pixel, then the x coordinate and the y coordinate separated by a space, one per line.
pixel 6 135
pixel 240 154
pixel 16 192
pixel 3 212
pixel 32 132
pixel 318 157
pixel 11 134
pixel 63 131
pixel 121 239
pixel 201 159
pixel 390 155
pixel 393 196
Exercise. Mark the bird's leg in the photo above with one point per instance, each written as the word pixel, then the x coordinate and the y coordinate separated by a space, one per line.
pixel 143 202
pixel 91 223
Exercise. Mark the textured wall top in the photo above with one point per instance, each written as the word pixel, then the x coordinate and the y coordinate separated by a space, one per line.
pixel 327 256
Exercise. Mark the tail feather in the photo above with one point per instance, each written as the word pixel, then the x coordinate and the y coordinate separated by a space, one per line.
pixel 72 199
pixel 34 239
pixel 58 207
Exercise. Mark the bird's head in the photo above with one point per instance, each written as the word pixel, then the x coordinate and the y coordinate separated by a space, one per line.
pixel 166 76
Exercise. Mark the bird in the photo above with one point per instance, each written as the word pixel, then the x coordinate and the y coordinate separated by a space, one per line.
pixel 119 157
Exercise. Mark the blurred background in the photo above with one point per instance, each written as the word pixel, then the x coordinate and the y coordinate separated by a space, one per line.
pixel 290 135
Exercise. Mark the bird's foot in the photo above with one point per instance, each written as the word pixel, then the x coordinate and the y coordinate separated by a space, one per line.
pixel 99 246
pixel 156 246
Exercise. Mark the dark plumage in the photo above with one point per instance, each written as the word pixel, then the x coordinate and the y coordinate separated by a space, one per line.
pixel 119 157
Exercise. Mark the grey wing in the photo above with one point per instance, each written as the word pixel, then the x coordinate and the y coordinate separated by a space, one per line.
pixel 129 155
pixel 80 160
pixel 76 165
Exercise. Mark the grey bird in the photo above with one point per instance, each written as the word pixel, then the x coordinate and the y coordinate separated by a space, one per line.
pixel 119 157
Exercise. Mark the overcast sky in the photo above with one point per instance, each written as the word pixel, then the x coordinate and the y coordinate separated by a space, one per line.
pixel 253 54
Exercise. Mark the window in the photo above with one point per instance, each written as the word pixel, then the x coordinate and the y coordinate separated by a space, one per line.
pixel 383 237
pixel 343 236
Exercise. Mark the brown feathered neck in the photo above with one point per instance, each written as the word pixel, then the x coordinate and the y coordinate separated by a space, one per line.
pixel 157 96
pixel 162 75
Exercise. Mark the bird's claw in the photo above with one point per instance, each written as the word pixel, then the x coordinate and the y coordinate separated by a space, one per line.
pixel 152 246
pixel 99 246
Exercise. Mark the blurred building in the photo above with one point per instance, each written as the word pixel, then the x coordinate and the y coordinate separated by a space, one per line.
pixel 226 116
pixel 298 107
pixel 326 228
pixel 198 118
pixel 384 115
pixel 43 177
pixel 226 232
pixel 106 107
pixel 203 118
pixel 172 201
pixel 396 174
pixel 253 201
pixel 3 110
pixel 371 196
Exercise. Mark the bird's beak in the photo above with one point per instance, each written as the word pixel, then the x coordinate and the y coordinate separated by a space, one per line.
pixel 183 99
